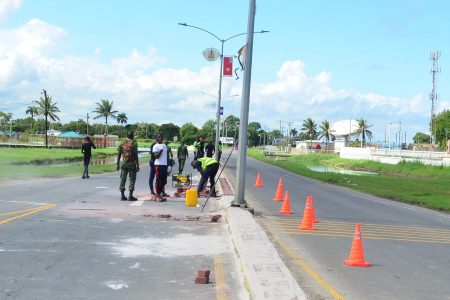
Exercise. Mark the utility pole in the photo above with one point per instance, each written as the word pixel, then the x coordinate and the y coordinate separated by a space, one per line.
pixel 87 124
pixel 434 56
pixel 239 198
pixel 289 136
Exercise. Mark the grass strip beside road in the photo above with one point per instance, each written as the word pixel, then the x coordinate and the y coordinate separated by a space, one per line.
pixel 412 183
pixel 41 155
pixel 19 163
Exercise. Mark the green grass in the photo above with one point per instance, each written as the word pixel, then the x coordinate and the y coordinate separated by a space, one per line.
pixel 413 183
pixel 18 163
pixel 34 155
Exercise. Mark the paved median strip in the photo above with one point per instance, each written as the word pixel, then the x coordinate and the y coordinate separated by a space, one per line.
pixel 25 212
pixel 371 231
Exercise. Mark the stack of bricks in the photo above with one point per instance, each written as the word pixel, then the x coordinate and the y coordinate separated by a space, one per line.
pixel 181 192
pixel 202 277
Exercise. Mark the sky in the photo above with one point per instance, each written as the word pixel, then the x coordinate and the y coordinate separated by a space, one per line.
pixel 325 59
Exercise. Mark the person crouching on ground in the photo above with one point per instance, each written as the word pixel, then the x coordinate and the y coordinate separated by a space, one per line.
pixel 160 153
pixel 208 168
pixel 86 150
pixel 130 165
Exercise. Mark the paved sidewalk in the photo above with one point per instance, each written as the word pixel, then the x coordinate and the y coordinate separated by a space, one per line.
pixel 266 274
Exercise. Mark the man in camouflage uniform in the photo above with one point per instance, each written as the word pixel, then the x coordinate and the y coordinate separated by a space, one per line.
pixel 182 154
pixel 130 165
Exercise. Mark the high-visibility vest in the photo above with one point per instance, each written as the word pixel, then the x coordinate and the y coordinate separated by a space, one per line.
pixel 196 145
pixel 206 162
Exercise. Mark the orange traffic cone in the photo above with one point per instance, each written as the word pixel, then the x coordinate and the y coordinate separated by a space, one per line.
pixel 279 194
pixel 356 257
pixel 258 182
pixel 310 199
pixel 286 207
pixel 307 221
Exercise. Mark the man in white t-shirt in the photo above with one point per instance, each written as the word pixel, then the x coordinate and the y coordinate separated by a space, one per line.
pixel 159 150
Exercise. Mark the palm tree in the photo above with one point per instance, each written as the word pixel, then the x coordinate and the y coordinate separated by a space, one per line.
pixel 48 109
pixel 325 132
pixel 33 111
pixel 104 110
pixel 122 119
pixel 309 128
pixel 363 130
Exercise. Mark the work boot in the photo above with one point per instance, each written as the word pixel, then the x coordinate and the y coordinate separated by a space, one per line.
pixel 123 198
pixel 130 197
pixel 160 199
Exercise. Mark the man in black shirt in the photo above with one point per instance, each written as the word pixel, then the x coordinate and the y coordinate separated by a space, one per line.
pixel 210 149
pixel 86 150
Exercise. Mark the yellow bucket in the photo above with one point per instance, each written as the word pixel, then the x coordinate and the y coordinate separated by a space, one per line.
pixel 191 197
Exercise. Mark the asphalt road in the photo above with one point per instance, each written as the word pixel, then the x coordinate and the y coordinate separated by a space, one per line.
pixel 408 246
pixel 70 238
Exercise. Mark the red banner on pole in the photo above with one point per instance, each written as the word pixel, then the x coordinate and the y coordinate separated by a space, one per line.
pixel 227 66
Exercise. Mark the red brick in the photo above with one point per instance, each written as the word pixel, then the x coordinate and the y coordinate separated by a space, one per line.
pixel 215 218
pixel 203 273
pixel 202 280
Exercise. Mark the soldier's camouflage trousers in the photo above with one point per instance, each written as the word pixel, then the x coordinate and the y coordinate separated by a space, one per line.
pixel 127 168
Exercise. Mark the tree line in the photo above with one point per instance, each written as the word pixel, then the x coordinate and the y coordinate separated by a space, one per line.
pixel 47 110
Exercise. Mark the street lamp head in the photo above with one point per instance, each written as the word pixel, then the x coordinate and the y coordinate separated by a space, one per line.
pixel 264 31
pixel 183 24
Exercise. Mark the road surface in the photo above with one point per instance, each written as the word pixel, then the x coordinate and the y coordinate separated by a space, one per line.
pixel 408 246
pixel 70 238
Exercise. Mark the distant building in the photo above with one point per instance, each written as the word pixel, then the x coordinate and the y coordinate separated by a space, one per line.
pixel 53 132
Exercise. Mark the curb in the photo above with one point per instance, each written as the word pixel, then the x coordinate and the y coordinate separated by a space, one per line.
pixel 264 271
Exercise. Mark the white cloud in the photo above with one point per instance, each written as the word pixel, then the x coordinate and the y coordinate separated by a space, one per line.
pixel 294 96
pixel 6 6
pixel 141 86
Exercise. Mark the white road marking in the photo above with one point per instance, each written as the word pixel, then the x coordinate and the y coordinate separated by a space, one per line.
pixel 102 187
pixel 116 220
pixel 24 202
pixel 137 203
pixel 117 285
pixel 135 266
pixel 402 205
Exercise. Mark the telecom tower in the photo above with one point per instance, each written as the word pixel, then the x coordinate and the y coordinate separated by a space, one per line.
pixel 434 56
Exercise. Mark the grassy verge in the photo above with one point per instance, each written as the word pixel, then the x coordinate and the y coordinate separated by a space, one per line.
pixel 406 182
pixel 18 163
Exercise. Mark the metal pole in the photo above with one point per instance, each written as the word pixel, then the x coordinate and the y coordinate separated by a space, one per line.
pixel 390 136
pixel 219 98
pixel 87 124
pixel 239 199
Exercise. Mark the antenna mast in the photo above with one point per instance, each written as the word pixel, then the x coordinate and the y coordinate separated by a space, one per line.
pixel 434 56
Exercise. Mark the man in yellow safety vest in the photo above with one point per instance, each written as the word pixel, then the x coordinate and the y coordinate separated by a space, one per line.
pixel 208 167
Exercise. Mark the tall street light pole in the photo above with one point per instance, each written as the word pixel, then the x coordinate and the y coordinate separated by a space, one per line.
pixel 219 98
pixel 239 197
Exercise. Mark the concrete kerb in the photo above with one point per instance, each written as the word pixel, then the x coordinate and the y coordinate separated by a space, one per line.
pixel 266 275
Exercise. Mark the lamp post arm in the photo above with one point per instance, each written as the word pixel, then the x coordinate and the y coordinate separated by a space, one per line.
pixel 199 28
pixel 244 33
